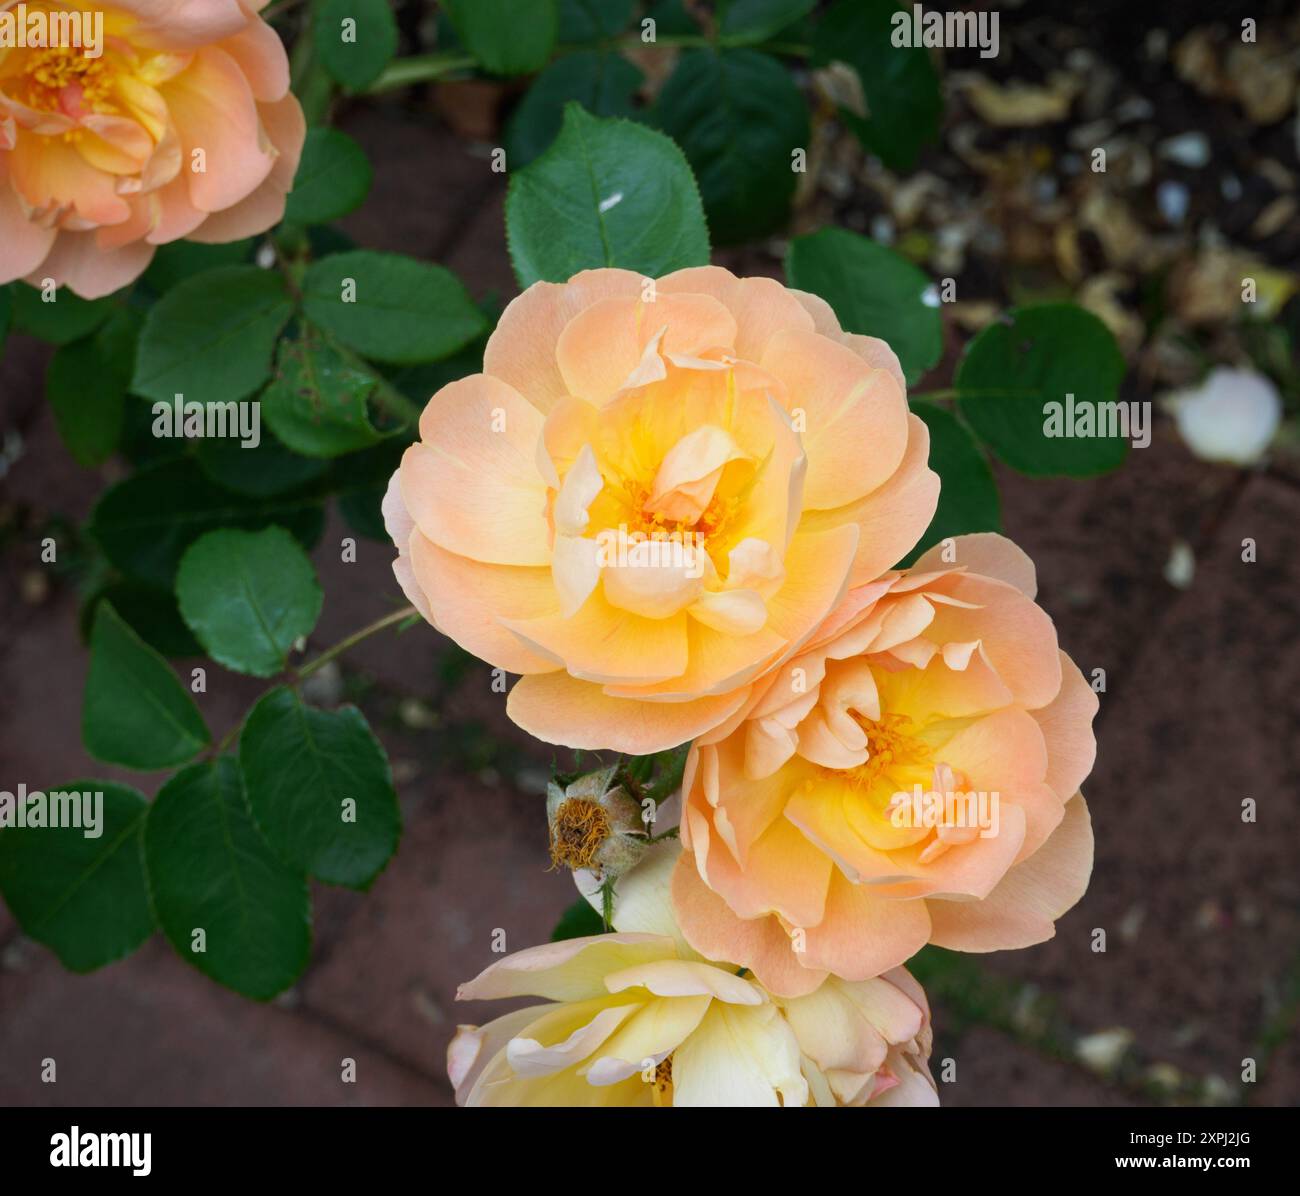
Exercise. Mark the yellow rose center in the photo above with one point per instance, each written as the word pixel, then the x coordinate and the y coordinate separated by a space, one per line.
pixel 63 79
pixel 896 790
pixel 896 753
pixel 710 524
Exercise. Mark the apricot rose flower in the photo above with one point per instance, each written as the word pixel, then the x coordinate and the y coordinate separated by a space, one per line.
pixel 911 776
pixel 637 1018
pixel 183 127
pixel 653 494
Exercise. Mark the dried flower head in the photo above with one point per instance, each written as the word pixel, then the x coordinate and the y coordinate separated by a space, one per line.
pixel 595 825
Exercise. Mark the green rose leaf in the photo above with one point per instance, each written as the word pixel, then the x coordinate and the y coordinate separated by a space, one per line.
pixel 874 291
pixel 83 897
pixel 602 81
pixel 150 611
pixel 1035 389
pixel 180 260
pixel 135 712
pixel 333 178
pixel 64 319
pixel 968 497
pixel 248 596
pixel 579 921
pixel 390 308
pixel 508 37
pixel 419 382
pixel 211 338
pixel 318 403
pixel 745 22
pixel 671 16
pixel 607 193
pixel 260 472
pixel 145 523
pixel 591 20
pixel 355 40
pixel 86 385
pixel 738 116
pixel 899 84
pixel 217 886
pixel 320 788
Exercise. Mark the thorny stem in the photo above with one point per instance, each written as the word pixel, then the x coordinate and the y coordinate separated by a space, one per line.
pixel 398 616
pixel 789 49
pixel 329 654
pixel 427 68
pixel 225 740
pixel 607 905
pixel 419 68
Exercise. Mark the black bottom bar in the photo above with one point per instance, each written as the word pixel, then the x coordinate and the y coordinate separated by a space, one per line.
pixel 341 1145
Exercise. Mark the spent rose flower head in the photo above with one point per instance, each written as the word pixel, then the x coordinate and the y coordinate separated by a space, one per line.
pixel 183 127
pixel 595 825
pixel 653 494
pixel 637 1017
pixel 912 776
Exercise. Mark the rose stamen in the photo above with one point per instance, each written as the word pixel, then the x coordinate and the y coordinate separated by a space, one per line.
pixel 663 1082
pixel 891 743
pixel 63 79
pixel 581 827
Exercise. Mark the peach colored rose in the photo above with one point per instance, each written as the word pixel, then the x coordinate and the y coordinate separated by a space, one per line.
pixel 98 163
pixel 638 1018
pixel 810 851
pixel 650 497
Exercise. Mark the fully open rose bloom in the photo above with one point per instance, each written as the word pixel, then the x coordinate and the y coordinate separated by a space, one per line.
pixel 653 494
pixel 638 1018
pixel 809 849
pixel 184 126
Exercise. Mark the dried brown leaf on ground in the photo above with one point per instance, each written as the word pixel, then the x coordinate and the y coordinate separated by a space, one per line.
pixel 1260 76
pixel 1207 287
pixel 1275 217
pixel 1111 220
pixel 1263 79
pixel 1101 296
pixel 1016 104
pixel 840 85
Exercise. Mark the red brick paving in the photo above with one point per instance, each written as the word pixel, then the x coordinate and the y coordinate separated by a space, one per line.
pixel 1202 911
pixel 991 1068
pixel 152 1032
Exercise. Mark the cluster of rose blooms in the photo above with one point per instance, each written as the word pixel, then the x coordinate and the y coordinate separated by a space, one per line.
pixel 757 950
pixel 757 953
